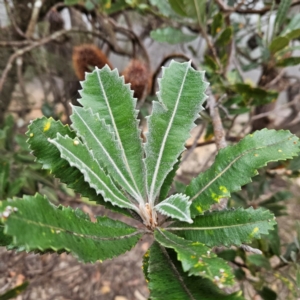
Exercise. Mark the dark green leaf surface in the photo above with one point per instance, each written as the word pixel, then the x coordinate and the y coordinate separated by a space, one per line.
pixel 171 35
pixel 224 37
pixel 256 95
pixel 278 44
pixel 100 139
pixel 217 23
pixel 15 292
pixel 4 177
pixel 178 6
pixel 294 34
pixel 5 240
pixel 79 156
pixel 39 225
pixel 228 227
pixel 235 165
pixel 196 258
pixel 259 261
pixel 288 62
pixel 168 281
pixel 48 155
pixel 105 92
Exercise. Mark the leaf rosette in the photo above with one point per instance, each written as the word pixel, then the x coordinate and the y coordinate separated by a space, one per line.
pixel 102 157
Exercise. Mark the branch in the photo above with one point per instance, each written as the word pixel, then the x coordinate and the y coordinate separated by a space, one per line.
pixel 219 132
pixel 14 43
pixel 163 62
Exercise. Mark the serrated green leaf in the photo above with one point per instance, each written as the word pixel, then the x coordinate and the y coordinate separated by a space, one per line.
pixel 180 98
pixel 235 165
pixel 168 281
pixel 39 225
pixel 278 44
pixel 99 138
pixel 227 227
pixel 288 62
pixel 79 156
pixel 281 14
pixel 224 37
pixel 177 207
pixel 106 94
pixel 196 258
pixel 39 132
pixel 171 36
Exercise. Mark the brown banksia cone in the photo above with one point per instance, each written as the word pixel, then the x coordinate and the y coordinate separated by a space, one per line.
pixel 86 57
pixel 137 73
pixel 55 20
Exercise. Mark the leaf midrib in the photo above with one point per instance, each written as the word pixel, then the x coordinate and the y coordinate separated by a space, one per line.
pixel 139 198
pixel 96 175
pixel 173 207
pixel 229 166
pixel 180 279
pixel 162 148
pixel 108 156
pixel 93 237
pixel 213 228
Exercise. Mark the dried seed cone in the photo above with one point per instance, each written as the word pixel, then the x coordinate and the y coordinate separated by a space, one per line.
pixel 138 74
pixel 86 57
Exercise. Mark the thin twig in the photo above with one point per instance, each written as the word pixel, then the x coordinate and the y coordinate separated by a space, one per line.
pixel 25 102
pixel 219 132
pixel 14 43
pixel 34 18
pixel 12 20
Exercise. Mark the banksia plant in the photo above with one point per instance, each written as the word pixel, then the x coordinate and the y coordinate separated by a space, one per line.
pixel 103 158
pixel 138 74
pixel 86 57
